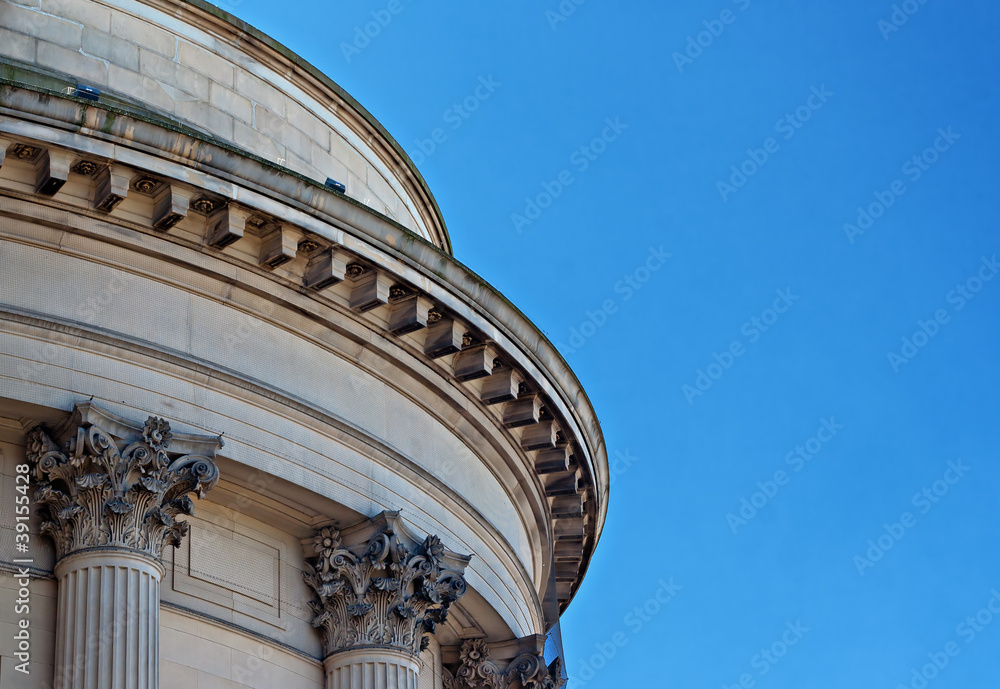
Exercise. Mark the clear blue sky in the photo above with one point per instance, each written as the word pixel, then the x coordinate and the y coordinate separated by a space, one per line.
pixel 864 99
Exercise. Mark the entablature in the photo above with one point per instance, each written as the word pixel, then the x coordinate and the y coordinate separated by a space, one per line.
pixel 238 209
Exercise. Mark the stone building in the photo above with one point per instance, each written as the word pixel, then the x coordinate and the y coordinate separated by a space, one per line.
pixel 258 427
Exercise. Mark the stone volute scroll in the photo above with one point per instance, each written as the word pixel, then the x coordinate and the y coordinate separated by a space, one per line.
pixel 114 486
pixel 388 591
pixel 478 671
pixel 109 493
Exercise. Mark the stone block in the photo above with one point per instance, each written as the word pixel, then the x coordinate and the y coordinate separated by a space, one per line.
pixel 170 206
pixel 41 26
pixel 173 74
pixel 315 129
pixel 139 87
pixel 443 338
pixel 86 12
pixel 212 66
pixel 522 412
pixel 381 188
pixel 566 483
pixel 256 142
pixel 143 34
pixel 114 50
pixel 176 676
pixel 17 46
pixel 341 150
pixel 277 248
pixel 191 651
pixel 539 436
pixel 86 70
pixel 552 461
pixel 502 386
pixel 260 92
pixel 370 290
pixel 111 187
pixel 474 362
pixel 226 226
pixel 205 117
pixel 230 102
pixel 326 269
pixel 568 506
pixel 409 314
pixel 275 127
pixel 52 171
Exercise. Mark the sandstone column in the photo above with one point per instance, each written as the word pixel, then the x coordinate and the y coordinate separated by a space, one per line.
pixel 109 498
pixel 378 602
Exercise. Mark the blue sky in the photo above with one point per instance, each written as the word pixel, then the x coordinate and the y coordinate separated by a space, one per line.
pixel 690 203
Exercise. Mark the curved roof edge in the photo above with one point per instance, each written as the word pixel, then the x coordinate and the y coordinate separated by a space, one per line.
pixel 314 72
pixel 379 230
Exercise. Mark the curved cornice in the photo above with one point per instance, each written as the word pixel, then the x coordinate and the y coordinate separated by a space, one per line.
pixel 111 132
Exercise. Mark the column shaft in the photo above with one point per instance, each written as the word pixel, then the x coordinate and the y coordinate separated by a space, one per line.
pixel 108 626
pixel 371 669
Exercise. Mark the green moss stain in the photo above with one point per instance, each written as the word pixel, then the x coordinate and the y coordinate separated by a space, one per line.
pixel 109 122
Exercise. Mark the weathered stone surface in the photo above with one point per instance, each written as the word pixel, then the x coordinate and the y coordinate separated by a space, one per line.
pixel 386 593
pixel 477 671
pixel 107 488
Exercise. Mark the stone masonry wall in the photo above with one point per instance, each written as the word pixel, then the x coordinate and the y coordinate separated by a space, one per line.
pixel 190 74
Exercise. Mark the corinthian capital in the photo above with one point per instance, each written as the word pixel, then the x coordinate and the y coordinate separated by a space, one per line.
pixel 526 671
pixel 390 591
pixel 111 484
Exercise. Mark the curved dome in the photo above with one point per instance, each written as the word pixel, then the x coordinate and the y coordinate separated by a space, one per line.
pixel 168 252
pixel 222 77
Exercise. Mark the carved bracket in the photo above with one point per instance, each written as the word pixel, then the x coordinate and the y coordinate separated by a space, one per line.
pixel 102 489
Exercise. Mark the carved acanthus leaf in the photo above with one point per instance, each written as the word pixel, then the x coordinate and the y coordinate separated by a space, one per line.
pixel 477 671
pixel 382 593
pixel 99 492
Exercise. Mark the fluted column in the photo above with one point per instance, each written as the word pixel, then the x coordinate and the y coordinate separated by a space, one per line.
pixel 379 600
pixel 371 669
pixel 108 620
pixel 109 497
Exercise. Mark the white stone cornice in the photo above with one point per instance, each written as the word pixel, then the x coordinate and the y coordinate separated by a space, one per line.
pixel 555 435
